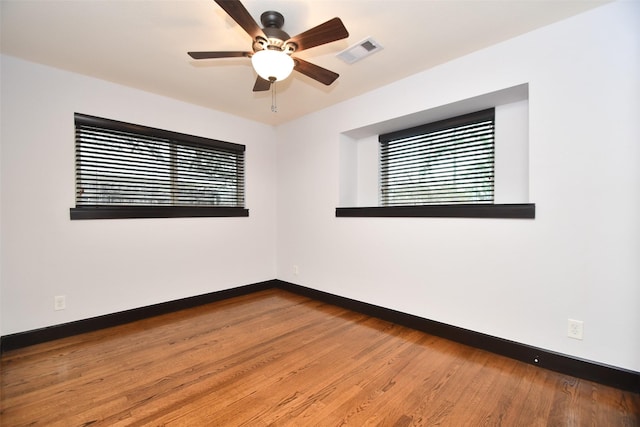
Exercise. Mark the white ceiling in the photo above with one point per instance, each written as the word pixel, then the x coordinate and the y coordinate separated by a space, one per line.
pixel 143 43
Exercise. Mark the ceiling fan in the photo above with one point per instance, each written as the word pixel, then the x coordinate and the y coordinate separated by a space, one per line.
pixel 273 49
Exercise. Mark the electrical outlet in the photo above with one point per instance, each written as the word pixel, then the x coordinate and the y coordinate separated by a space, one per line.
pixel 576 329
pixel 59 302
pixel 296 270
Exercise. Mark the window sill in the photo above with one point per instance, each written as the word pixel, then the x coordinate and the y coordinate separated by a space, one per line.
pixel 523 211
pixel 124 212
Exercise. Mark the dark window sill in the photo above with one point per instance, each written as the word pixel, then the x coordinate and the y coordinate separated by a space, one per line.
pixel 121 212
pixel 523 210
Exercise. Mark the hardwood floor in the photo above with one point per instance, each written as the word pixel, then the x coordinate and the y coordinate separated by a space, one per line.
pixel 275 358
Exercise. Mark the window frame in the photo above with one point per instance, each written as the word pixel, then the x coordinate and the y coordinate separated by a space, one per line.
pixel 116 211
pixel 453 210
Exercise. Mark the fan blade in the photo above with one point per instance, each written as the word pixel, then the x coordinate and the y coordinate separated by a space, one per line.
pixel 239 13
pixel 211 55
pixel 328 32
pixel 316 72
pixel 261 85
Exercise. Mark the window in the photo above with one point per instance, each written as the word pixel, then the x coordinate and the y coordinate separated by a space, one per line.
pixel 131 171
pixel 445 162
pixel 374 184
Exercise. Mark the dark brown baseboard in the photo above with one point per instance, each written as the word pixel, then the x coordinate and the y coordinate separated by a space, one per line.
pixel 592 371
pixel 50 333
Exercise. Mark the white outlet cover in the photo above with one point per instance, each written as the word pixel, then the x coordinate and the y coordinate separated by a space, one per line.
pixel 59 302
pixel 575 329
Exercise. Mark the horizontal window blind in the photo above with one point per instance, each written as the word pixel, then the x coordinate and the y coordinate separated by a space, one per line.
pixel 121 164
pixel 450 161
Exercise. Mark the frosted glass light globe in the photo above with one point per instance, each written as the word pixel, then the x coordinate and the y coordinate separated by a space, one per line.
pixel 272 65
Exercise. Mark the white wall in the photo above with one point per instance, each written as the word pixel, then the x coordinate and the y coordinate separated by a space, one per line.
pixel 105 266
pixel 515 279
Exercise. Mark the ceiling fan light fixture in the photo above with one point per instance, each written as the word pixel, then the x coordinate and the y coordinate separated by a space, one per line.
pixel 272 48
pixel 272 65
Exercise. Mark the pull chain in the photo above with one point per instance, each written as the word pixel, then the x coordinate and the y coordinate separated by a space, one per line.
pixel 274 106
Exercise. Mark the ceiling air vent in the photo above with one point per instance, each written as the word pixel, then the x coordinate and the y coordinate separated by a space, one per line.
pixel 360 50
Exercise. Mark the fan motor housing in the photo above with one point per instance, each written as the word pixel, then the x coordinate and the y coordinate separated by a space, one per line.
pixel 276 37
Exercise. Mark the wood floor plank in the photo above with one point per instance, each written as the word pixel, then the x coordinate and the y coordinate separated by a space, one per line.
pixel 277 359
